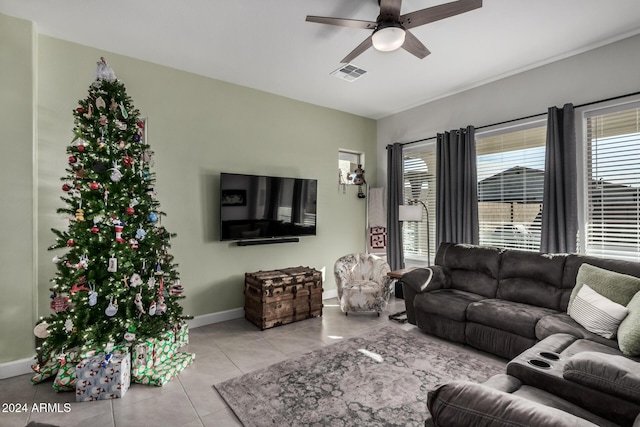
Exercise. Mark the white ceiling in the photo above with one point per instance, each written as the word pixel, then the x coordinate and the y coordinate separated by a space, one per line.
pixel 267 45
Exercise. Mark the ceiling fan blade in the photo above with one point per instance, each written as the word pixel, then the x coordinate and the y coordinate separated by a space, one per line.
pixel 436 13
pixel 341 22
pixel 414 46
pixel 390 10
pixel 366 44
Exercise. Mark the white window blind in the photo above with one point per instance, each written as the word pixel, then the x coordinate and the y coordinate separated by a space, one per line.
pixel 613 183
pixel 420 184
pixel 510 166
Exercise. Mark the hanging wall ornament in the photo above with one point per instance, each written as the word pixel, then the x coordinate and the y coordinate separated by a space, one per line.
pixel 112 309
pixel 113 264
pixel 93 296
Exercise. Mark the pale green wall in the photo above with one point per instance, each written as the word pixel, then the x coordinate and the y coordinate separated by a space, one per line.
pixel 17 284
pixel 199 127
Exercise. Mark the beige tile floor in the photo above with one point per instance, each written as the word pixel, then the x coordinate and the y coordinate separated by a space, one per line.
pixel 223 351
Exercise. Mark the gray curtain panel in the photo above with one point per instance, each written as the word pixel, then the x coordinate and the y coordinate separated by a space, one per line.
pixel 560 198
pixel 457 188
pixel 395 198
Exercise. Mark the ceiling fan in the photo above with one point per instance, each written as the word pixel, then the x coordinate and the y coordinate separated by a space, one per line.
pixel 390 30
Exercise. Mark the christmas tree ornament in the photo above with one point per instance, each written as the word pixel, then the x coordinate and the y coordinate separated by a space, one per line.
pixel 113 264
pixel 70 243
pixel 127 161
pixel 95 229
pixel 153 217
pixel 140 233
pixel 112 308
pixel 66 187
pixel 98 166
pixel 136 138
pixel 80 215
pixel 130 335
pixel 89 112
pixel 130 210
pixel 121 125
pixel 140 124
pixel 133 243
pixel 81 173
pixel 113 105
pixel 72 159
pixel 79 110
pixel 97 219
pixel 93 296
pixel 56 259
pixel 68 325
pixel 116 175
pixel 77 288
pixel 135 280
pixel 123 111
pixel 161 307
pixel 41 330
pixel 152 308
pixel 151 283
pixel 81 148
pixel 83 263
pixel 94 186
pixel 104 72
pixel 103 120
pixel 59 304
pixel 176 288
pixel 119 226
pixel 100 104
pixel 138 303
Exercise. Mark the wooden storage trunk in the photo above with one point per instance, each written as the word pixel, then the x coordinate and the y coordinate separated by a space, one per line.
pixel 277 297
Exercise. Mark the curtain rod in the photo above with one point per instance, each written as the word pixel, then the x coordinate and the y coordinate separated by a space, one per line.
pixel 586 104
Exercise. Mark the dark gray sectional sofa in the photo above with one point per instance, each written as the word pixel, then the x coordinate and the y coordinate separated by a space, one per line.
pixel 514 304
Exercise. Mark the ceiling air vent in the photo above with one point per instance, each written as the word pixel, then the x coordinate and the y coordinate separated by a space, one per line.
pixel 349 72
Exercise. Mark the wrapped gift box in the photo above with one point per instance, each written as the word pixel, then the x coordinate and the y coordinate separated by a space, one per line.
pixel 162 373
pixel 182 335
pixel 97 379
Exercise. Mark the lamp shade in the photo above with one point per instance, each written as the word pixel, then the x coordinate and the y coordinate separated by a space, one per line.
pixel 388 38
pixel 410 213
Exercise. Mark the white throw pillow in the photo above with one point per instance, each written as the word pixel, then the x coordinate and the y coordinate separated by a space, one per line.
pixel 597 313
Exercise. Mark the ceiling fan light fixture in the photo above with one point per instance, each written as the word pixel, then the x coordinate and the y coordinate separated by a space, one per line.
pixel 388 37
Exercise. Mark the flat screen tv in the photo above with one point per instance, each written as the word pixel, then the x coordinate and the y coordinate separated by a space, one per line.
pixel 264 207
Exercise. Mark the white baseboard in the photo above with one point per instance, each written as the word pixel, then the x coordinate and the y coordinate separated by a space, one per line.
pixel 332 293
pixel 221 316
pixel 16 367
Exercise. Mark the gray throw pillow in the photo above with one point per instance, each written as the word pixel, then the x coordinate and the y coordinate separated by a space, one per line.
pixel 629 329
pixel 617 287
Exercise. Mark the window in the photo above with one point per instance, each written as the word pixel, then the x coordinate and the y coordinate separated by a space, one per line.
pixel 612 183
pixel 420 185
pixel 510 186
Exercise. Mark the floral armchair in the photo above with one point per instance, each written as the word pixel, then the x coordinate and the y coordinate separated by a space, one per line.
pixel 363 284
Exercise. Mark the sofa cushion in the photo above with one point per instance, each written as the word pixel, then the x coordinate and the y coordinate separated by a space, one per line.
pixel 509 316
pixel 462 403
pixel 531 278
pixel 629 330
pixel 617 287
pixel 448 303
pixel 473 269
pixel 611 374
pixel 596 312
pixel 562 323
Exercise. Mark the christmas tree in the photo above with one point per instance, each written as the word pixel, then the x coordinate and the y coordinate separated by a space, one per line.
pixel 116 281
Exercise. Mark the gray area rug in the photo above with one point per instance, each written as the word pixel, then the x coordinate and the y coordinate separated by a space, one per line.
pixel 381 379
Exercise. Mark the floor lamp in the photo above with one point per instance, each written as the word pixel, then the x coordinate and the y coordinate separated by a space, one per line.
pixel 413 212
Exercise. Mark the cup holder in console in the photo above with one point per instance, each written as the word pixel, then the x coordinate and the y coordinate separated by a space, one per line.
pixel 548 355
pixel 539 363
